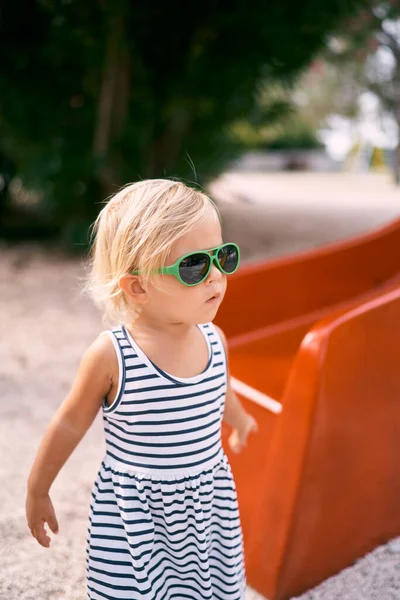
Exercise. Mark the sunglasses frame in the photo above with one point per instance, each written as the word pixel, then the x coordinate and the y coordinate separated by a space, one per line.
pixel 212 254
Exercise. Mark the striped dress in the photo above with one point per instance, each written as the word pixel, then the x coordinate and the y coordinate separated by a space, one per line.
pixel 164 521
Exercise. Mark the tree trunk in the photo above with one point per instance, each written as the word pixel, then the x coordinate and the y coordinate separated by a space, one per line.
pixel 112 106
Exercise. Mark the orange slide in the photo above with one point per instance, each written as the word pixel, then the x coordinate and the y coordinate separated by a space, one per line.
pixel 314 355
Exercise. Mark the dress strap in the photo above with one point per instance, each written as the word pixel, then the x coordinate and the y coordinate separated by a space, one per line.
pixel 119 342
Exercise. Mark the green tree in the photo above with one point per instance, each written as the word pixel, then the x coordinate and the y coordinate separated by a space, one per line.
pixel 97 93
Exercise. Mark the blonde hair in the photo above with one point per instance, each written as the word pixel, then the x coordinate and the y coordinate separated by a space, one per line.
pixel 136 230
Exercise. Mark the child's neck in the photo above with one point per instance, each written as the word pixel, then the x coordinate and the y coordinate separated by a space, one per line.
pixel 143 326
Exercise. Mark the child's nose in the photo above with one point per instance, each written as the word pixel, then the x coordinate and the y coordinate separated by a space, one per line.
pixel 214 274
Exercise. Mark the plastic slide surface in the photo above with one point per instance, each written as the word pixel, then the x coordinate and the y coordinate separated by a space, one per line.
pixel 314 355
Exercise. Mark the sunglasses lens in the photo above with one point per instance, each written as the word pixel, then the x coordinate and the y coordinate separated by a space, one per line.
pixel 228 258
pixel 193 268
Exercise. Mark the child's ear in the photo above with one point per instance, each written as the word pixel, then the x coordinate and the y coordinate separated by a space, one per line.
pixel 133 288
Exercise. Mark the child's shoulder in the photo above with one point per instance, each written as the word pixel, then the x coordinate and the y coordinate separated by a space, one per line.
pixel 101 356
pixel 95 375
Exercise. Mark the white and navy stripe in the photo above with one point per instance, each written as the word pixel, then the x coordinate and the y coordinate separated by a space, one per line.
pixel 164 520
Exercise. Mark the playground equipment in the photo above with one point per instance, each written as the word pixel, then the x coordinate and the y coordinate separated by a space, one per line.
pixel 314 347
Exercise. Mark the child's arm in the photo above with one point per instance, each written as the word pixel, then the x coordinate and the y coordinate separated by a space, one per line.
pixel 68 426
pixel 235 415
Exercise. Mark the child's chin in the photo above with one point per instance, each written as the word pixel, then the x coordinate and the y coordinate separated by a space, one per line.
pixel 212 309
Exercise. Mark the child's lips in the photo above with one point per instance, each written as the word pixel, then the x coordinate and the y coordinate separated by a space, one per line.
pixel 214 298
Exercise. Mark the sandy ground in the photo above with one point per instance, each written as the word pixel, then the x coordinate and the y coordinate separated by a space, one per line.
pixel 45 325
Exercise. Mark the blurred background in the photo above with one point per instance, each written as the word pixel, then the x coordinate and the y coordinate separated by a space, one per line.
pixel 287 112
pixel 97 94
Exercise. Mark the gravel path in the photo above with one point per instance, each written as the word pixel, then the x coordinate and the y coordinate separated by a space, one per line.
pixel 44 327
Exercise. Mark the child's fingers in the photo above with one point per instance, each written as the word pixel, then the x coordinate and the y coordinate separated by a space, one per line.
pixel 39 532
pixel 234 442
pixel 52 523
pixel 255 426
pixel 238 440
pixel 39 511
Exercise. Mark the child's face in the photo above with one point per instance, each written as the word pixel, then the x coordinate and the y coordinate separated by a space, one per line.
pixel 177 303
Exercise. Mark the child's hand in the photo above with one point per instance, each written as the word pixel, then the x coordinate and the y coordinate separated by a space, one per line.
pixel 238 437
pixel 39 510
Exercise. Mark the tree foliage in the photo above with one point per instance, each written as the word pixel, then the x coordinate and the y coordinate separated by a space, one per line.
pixel 97 93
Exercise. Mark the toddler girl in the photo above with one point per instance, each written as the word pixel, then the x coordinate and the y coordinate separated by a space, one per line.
pixel 164 521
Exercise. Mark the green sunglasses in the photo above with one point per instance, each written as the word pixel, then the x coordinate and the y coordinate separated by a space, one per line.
pixel 194 267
